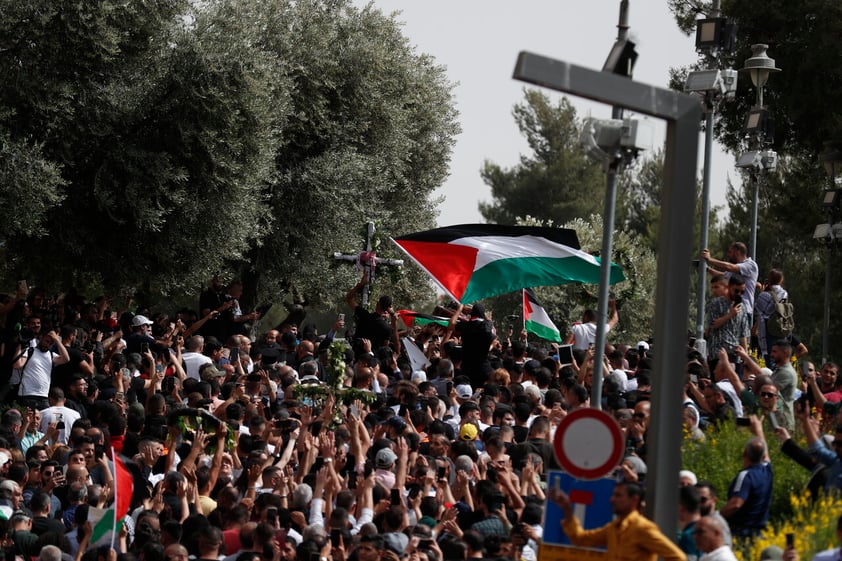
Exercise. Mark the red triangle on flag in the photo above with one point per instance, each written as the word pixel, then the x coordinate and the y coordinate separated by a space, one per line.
pixel 451 265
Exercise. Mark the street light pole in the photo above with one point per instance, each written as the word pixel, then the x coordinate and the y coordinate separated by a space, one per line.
pixel 755 178
pixel 826 320
pixel 710 118
pixel 759 66
pixel 612 167
pixel 831 158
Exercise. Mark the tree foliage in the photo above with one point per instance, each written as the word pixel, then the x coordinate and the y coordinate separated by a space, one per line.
pixel 368 138
pixel 802 38
pixel 556 182
pixel 161 142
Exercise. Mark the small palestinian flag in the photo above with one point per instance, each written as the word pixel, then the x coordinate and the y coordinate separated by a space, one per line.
pixel 106 522
pixel 536 320
pixel 410 318
pixel 475 261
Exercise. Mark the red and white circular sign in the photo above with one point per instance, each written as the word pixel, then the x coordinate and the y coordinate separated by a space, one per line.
pixel 588 444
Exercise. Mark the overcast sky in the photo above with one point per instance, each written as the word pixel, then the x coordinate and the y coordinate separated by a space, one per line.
pixel 478 42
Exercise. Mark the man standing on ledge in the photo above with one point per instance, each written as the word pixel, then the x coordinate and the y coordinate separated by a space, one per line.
pixel 630 536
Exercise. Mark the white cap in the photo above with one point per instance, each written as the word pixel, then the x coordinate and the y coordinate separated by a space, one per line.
pixel 139 320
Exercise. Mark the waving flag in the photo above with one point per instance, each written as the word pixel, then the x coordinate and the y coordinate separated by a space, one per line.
pixel 475 261
pixel 536 320
pixel 107 522
pixel 410 318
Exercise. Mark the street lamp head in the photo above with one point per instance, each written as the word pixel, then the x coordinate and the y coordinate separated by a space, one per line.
pixel 713 34
pixel 823 232
pixel 831 198
pixel 759 65
pixel 831 159
pixel 750 160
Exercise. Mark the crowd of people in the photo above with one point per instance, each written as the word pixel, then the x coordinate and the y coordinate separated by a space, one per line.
pixel 443 460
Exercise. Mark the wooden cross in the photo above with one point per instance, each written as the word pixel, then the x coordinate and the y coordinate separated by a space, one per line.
pixel 367 261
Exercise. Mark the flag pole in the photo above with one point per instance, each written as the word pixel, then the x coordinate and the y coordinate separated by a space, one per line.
pixel 114 482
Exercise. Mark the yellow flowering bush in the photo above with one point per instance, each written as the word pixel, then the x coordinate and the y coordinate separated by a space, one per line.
pixel 720 457
pixel 813 523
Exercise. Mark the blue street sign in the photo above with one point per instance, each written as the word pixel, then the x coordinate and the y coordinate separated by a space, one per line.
pixel 591 505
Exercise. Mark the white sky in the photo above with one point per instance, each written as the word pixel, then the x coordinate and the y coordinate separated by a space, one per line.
pixel 478 42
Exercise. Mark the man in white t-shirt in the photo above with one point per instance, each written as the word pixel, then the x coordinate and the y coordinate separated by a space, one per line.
pixel 193 357
pixel 36 366
pixel 583 335
pixel 58 413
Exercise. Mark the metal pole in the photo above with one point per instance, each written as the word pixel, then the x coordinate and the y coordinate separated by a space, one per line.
pixel 701 292
pixel 752 250
pixel 607 240
pixel 675 245
pixel 826 323
pixel 604 284
pixel 703 237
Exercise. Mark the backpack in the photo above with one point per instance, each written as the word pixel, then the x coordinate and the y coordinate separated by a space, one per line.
pixel 782 321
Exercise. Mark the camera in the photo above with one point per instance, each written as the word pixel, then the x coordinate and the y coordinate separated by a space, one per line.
pixel 25 335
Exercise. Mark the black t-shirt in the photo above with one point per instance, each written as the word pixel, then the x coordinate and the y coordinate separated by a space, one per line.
pixel 136 340
pixel 41 525
pixel 215 327
pixel 477 336
pixel 371 326
pixel 64 372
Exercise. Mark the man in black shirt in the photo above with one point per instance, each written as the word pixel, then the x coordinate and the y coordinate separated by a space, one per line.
pixel 378 326
pixel 477 334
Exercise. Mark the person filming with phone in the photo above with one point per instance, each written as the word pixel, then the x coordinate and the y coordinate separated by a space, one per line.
pixel 729 322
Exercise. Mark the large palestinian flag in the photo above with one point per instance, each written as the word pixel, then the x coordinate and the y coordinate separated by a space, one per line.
pixel 475 261
pixel 536 320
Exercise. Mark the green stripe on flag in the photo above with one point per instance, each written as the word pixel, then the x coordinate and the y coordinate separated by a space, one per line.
pixel 103 527
pixel 508 275
pixel 103 523
pixel 543 331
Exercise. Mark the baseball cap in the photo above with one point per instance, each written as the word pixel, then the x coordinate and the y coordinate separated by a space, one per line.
pixel 772 553
pixel 643 344
pixel 469 432
pixel 396 422
pixel 139 320
pixel 385 458
pixel 464 391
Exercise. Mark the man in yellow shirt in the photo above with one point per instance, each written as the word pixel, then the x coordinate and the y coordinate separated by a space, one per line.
pixel 629 537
